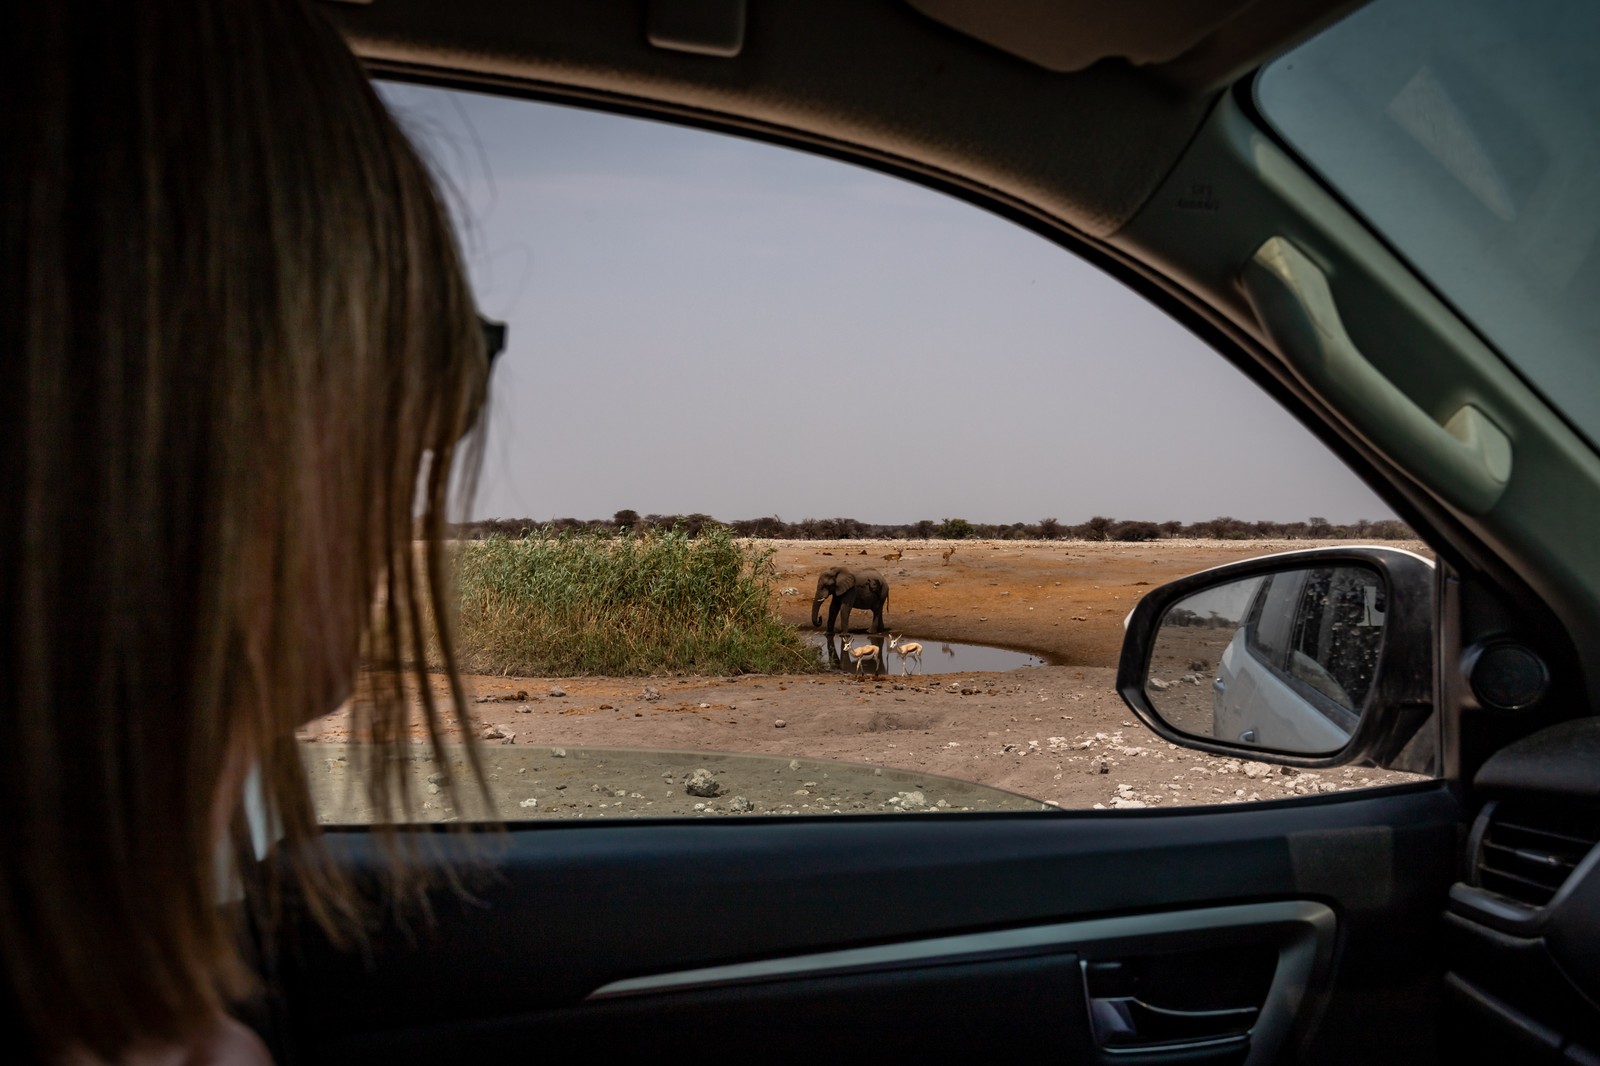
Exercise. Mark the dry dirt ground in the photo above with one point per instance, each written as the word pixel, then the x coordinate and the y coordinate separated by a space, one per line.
pixel 1055 735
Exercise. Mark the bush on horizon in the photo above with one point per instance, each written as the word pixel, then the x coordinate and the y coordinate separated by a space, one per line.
pixel 955 529
pixel 586 602
pixel 1098 527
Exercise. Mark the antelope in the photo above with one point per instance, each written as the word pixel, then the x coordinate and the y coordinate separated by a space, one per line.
pixel 947 553
pixel 861 654
pixel 894 556
pixel 906 649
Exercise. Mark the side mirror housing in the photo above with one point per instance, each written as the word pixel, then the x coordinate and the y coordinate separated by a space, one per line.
pixel 1311 658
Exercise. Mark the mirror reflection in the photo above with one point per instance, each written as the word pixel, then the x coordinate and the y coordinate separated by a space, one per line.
pixel 1281 661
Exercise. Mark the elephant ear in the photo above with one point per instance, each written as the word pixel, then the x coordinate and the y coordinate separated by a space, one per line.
pixel 844 583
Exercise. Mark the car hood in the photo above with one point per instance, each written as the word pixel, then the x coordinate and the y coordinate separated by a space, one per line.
pixel 527 782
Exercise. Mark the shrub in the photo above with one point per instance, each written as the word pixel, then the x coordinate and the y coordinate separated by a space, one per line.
pixel 955 529
pixel 1135 531
pixel 1096 528
pixel 594 603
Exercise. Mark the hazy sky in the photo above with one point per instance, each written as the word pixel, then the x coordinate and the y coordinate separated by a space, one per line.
pixel 701 323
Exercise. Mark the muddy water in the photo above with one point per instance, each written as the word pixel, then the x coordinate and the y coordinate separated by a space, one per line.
pixel 938 657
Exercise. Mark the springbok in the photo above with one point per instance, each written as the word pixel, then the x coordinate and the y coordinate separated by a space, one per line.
pixel 894 556
pixel 906 649
pixel 861 654
pixel 947 553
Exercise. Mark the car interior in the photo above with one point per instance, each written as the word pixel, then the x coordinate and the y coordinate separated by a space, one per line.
pixel 1453 917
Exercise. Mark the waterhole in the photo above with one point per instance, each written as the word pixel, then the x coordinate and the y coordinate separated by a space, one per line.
pixel 938 656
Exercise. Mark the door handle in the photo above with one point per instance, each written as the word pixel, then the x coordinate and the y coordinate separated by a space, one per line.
pixel 1127 1023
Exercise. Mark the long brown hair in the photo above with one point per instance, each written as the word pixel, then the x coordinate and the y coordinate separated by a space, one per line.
pixel 237 339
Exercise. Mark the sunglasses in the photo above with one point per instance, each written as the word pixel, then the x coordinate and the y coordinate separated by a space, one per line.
pixel 494 342
pixel 494 337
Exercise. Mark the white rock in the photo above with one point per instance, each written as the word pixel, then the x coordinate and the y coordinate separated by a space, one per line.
pixel 911 801
pixel 701 783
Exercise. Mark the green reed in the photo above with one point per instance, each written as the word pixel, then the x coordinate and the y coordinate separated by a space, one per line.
pixel 596 603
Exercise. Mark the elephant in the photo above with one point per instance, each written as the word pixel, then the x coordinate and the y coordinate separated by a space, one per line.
pixel 866 589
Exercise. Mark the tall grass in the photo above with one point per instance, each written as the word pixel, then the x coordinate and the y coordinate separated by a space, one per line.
pixel 593 603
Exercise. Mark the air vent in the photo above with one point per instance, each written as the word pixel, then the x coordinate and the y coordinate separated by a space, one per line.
pixel 1530 847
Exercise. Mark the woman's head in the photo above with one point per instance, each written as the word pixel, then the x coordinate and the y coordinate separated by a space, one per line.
pixel 236 335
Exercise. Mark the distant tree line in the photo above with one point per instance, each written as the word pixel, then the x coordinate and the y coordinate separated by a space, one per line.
pixel 1096 528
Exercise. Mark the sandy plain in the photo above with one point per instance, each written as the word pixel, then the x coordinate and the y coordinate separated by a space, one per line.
pixel 1046 736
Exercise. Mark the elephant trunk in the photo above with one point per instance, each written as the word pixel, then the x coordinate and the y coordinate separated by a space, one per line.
pixel 816 611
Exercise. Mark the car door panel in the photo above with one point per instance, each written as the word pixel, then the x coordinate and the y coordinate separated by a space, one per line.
pixel 958 995
pixel 559 912
pixel 904 1012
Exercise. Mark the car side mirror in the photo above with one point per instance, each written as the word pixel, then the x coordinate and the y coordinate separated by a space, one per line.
pixel 1309 658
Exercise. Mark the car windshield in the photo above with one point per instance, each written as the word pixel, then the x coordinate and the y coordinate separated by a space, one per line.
pixel 1467 132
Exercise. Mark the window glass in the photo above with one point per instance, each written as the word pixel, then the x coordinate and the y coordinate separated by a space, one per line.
pixel 1279 600
pixel 734 370
pixel 1468 134
pixel 1336 634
